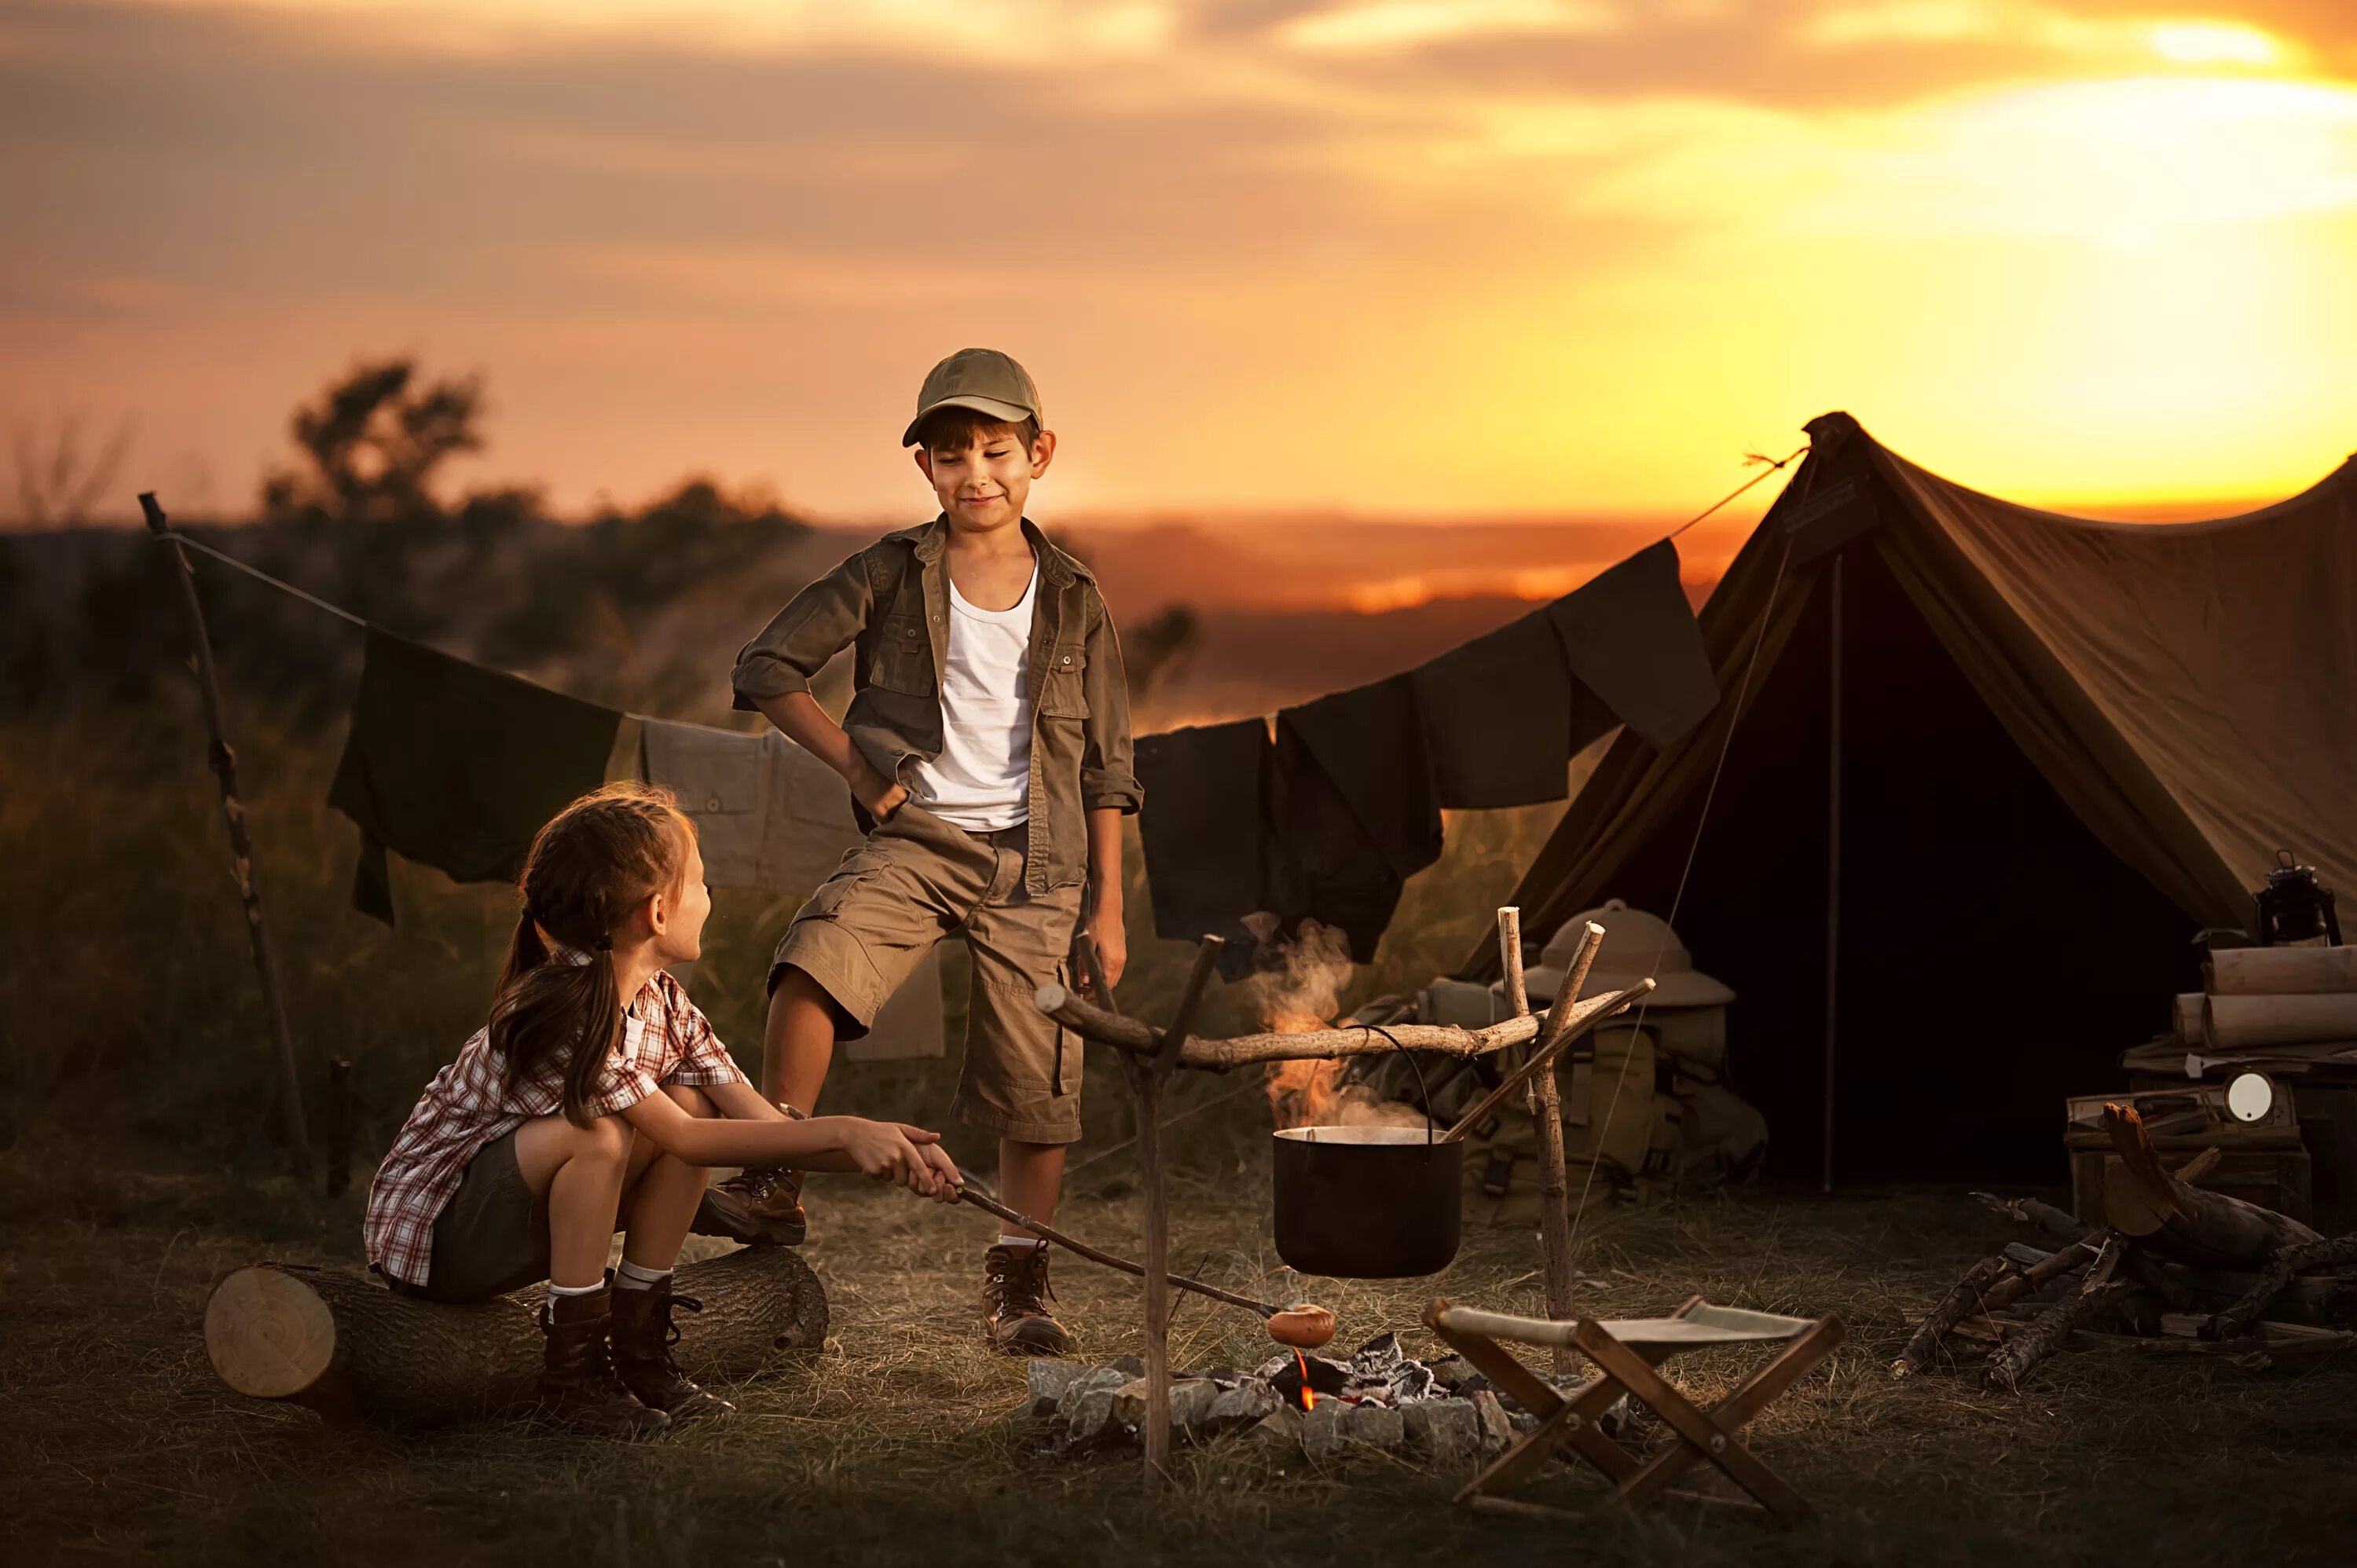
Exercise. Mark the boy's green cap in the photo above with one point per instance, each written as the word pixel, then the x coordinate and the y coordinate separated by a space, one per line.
pixel 983 380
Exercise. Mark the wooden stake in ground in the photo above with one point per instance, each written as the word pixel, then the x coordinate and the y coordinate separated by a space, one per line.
pixel 343 1345
pixel 1554 1184
pixel 1147 1074
pixel 223 762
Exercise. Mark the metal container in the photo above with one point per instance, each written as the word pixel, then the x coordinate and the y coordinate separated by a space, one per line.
pixel 1367 1203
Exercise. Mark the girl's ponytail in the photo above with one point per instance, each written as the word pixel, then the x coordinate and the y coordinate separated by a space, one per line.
pixel 589 868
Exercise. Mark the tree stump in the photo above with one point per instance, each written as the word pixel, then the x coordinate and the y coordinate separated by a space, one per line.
pixel 343 1344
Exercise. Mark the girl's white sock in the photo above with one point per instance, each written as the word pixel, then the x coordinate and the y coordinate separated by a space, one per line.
pixel 555 1289
pixel 628 1276
pixel 1019 1242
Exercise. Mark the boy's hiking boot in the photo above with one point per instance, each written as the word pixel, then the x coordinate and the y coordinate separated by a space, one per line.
pixel 578 1387
pixel 1015 1296
pixel 642 1337
pixel 760 1205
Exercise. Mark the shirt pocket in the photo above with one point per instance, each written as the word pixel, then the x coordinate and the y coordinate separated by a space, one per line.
pixel 903 657
pixel 1063 693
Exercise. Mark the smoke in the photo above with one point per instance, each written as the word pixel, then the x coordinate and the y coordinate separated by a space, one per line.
pixel 1301 991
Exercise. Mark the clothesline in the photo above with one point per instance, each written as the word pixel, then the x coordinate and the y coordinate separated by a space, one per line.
pixel 284 586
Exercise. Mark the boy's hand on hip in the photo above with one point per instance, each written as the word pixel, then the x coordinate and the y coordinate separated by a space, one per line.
pixel 879 796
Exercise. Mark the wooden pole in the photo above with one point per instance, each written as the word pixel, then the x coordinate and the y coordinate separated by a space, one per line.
pixel 1542 1060
pixel 1833 866
pixel 1518 991
pixel 223 762
pixel 1554 1184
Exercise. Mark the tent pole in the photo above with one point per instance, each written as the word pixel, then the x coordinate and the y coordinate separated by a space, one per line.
pixel 1833 863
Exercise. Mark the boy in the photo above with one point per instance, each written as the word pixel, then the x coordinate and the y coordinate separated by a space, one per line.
pixel 987 749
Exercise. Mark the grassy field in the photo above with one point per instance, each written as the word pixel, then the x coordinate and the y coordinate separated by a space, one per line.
pixel 897 1444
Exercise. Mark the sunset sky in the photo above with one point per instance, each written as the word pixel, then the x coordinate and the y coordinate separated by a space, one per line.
pixel 1393 257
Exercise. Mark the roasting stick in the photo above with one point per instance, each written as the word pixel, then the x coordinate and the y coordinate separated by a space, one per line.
pixel 1305 1324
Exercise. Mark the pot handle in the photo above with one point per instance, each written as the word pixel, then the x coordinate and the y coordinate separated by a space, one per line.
pixel 1422 1088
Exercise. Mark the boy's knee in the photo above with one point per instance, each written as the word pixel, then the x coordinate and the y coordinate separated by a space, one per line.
pixel 692 1100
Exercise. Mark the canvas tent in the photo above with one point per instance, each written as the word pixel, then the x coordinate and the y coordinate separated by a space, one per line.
pixel 1995 767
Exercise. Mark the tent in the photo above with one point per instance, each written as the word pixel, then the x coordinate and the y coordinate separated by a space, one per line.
pixel 1994 770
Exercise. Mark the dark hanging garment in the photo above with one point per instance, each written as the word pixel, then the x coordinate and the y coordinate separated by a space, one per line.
pixel 1205 832
pixel 1324 864
pixel 457 766
pixel 1630 637
pixel 1498 716
pixel 1369 743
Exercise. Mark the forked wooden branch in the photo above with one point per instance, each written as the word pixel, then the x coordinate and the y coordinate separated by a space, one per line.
pixel 2168 1213
pixel 1138 1038
pixel 1582 1018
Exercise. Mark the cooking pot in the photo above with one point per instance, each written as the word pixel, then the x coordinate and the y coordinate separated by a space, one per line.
pixel 1367 1203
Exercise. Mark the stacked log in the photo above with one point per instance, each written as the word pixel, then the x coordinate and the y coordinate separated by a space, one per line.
pixel 2180 1269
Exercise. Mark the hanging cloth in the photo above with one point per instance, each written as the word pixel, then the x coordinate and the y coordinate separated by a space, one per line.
pixel 457 766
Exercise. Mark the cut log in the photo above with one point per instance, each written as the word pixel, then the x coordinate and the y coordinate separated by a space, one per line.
pixel 1967 1298
pixel 2275 971
pixel 2058 1223
pixel 344 1345
pixel 2170 1216
pixel 2052 1328
pixel 2242 1317
pixel 2239 1023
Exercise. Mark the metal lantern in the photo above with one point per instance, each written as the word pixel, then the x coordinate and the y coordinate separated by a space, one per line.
pixel 2294 908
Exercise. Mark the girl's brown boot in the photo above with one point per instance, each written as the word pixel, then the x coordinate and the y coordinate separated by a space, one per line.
pixel 643 1336
pixel 578 1387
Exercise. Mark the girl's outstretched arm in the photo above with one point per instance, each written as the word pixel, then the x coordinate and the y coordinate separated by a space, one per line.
pixel 910 1156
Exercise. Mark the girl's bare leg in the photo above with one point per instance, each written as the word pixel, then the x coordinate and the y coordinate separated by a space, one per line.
pixel 581 1170
pixel 661 1193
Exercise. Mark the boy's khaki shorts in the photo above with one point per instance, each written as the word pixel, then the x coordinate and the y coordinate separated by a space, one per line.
pixel 916 880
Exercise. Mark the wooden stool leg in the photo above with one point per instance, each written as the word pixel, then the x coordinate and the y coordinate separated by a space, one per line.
pixel 1755 1393
pixel 1561 1420
pixel 1722 1448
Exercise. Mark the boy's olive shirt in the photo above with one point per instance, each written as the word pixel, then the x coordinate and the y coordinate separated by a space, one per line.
pixel 899 619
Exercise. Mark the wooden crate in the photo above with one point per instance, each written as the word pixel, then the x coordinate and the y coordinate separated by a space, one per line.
pixel 2276 1178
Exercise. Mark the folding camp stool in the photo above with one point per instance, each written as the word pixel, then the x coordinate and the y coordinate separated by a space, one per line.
pixel 1624 1353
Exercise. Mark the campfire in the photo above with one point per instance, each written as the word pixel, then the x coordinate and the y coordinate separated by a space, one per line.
pixel 1441 1413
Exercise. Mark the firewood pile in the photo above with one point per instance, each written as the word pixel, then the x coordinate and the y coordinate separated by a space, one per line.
pixel 2168 1268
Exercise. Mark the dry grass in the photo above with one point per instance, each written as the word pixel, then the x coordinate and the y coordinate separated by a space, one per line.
pixel 896 1443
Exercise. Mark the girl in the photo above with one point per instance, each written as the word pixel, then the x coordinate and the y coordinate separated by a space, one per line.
pixel 591 1102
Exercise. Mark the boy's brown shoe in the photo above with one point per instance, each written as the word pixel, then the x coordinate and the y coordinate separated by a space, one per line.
pixel 760 1204
pixel 1015 1296
pixel 642 1337
pixel 578 1387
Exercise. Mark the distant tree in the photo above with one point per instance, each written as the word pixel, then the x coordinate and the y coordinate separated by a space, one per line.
pixel 59 475
pixel 371 444
pixel 1158 647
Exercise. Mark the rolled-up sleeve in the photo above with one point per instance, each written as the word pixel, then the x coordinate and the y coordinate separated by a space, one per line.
pixel 816 624
pixel 1108 773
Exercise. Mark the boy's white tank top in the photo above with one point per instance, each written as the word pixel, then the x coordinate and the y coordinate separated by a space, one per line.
pixel 980 780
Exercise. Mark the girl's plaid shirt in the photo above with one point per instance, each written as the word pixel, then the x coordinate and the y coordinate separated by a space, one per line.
pixel 665 1039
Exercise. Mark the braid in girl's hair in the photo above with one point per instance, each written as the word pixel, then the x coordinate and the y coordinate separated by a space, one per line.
pixel 589 867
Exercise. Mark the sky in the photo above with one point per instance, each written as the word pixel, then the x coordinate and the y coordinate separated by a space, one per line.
pixel 1384 258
